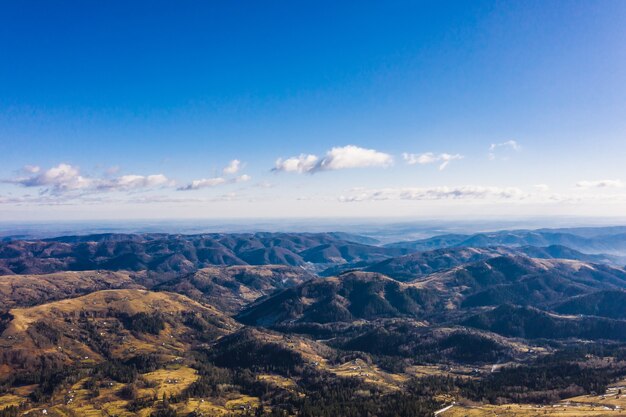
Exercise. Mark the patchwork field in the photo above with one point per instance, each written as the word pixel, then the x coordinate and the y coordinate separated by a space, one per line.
pixel 80 402
pixel 530 411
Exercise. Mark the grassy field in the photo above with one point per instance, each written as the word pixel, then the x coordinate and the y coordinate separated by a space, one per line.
pixel 610 404
pixel 203 406
pixel 9 400
pixel 369 373
pixel 278 381
pixel 168 381
pixel 516 410
pixel 57 330
pixel 79 402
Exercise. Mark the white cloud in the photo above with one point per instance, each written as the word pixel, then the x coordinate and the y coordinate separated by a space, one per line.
pixel 509 144
pixel 213 182
pixel 600 184
pixel 31 169
pixel 129 182
pixel 353 157
pixel 543 188
pixel 468 192
pixel 344 157
pixel 232 168
pixel 63 177
pixel 300 164
pixel 431 158
pixel 204 183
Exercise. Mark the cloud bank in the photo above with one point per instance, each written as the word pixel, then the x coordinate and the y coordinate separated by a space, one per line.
pixel 345 157
pixel 130 182
pixel 61 178
pixel 213 182
pixel 232 168
pixel 65 178
pixel 430 158
pixel 599 184
pixel 435 193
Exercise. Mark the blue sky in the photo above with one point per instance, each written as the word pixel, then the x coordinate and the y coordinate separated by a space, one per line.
pixel 112 110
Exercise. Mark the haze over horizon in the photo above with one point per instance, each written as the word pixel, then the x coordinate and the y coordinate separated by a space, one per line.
pixel 285 110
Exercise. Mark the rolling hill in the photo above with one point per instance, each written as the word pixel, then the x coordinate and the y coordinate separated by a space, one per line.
pixel 607 303
pixel 231 288
pixel 521 280
pixel 415 265
pixel 240 324
pixel 531 323
pixel 423 344
pixel 29 290
pixel 181 254
pixel 348 297
pixel 106 325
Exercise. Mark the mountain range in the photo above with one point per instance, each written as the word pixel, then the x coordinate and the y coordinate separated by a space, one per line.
pixel 297 323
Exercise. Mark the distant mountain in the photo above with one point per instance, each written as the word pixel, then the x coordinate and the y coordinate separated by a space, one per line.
pixel 608 303
pixel 611 243
pixel 435 242
pixel 351 296
pixel 350 237
pixel 106 237
pixel 231 288
pixel 521 280
pixel 419 264
pixel 415 265
pixel 538 283
pixel 182 254
pixel 497 280
pixel 531 323
pixel 563 252
pixel 274 255
pixel 588 231
pixel 346 252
